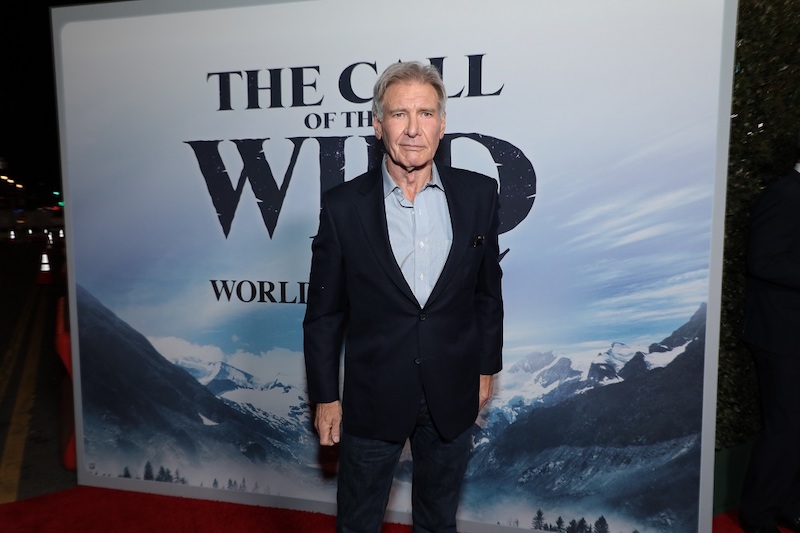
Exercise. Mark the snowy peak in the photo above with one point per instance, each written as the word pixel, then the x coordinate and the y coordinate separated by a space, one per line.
pixel 532 363
pixel 220 377
pixel 557 373
pixel 543 379
pixel 206 373
pixel 618 362
pixel 275 399
pixel 694 329
pixel 617 355
pixel 277 384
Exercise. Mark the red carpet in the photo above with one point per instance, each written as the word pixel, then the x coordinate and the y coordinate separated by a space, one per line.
pixel 727 523
pixel 90 509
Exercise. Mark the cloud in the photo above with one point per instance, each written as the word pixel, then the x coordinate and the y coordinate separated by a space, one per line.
pixel 268 364
pixel 175 349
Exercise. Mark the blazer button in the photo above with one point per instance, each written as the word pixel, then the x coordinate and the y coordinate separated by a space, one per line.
pixel 423 316
pixel 418 361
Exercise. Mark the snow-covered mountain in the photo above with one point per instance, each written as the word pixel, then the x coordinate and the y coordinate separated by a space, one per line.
pixel 618 434
pixel 618 431
pixel 272 397
pixel 546 379
pixel 139 407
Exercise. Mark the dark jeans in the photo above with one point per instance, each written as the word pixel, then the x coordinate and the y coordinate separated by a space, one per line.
pixel 772 483
pixel 366 470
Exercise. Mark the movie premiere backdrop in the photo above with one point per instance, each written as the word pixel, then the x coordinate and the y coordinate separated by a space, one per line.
pixel 196 140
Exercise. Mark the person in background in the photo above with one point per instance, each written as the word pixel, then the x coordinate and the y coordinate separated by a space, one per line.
pixel 405 276
pixel 771 495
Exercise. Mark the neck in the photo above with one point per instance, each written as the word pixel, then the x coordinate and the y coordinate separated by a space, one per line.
pixel 410 180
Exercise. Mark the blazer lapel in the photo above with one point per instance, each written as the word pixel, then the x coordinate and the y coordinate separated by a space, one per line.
pixel 371 212
pixel 459 220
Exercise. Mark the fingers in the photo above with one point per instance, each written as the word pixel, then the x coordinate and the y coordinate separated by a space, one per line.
pixel 328 421
pixel 486 390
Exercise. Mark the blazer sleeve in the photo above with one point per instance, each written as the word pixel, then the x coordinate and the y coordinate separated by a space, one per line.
pixel 489 299
pixel 326 312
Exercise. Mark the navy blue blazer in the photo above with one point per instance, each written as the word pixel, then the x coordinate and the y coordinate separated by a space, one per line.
pixel 772 309
pixel 394 350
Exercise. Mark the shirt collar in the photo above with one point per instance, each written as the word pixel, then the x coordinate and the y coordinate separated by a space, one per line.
pixel 389 185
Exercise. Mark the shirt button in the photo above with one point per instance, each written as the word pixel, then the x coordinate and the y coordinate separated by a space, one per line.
pixel 423 316
pixel 418 361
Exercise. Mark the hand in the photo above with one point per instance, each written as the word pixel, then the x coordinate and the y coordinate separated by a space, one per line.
pixel 327 421
pixel 486 389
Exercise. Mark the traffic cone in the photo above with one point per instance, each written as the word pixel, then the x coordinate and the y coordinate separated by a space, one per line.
pixel 64 350
pixel 63 346
pixel 45 274
pixel 69 455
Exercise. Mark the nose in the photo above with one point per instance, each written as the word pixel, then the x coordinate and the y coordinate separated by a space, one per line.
pixel 412 126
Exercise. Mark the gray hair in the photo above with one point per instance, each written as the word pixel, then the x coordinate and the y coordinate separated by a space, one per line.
pixel 405 72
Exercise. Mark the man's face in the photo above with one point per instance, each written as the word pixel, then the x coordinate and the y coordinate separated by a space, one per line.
pixel 411 127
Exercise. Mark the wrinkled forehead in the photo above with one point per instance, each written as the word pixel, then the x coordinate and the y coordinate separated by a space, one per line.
pixel 401 89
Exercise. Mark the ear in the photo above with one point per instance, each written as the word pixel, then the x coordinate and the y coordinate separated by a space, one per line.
pixel 376 124
pixel 442 127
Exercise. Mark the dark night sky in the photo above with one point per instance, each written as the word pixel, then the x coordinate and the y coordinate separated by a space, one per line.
pixel 28 118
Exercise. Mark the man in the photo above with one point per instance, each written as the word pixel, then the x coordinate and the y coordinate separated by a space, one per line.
pixel 771 494
pixel 405 274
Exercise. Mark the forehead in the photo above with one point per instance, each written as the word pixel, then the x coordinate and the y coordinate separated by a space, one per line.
pixel 406 92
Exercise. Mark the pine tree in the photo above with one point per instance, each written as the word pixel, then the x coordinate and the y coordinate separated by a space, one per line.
pixel 148 471
pixel 582 526
pixel 573 526
pixel 215 485
pixel 560 525
pixel 164 475
pixel 126 473
pixel 538 520
pixel 601 526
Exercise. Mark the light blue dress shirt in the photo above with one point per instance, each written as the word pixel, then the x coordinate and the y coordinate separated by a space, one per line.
pixel 420 233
